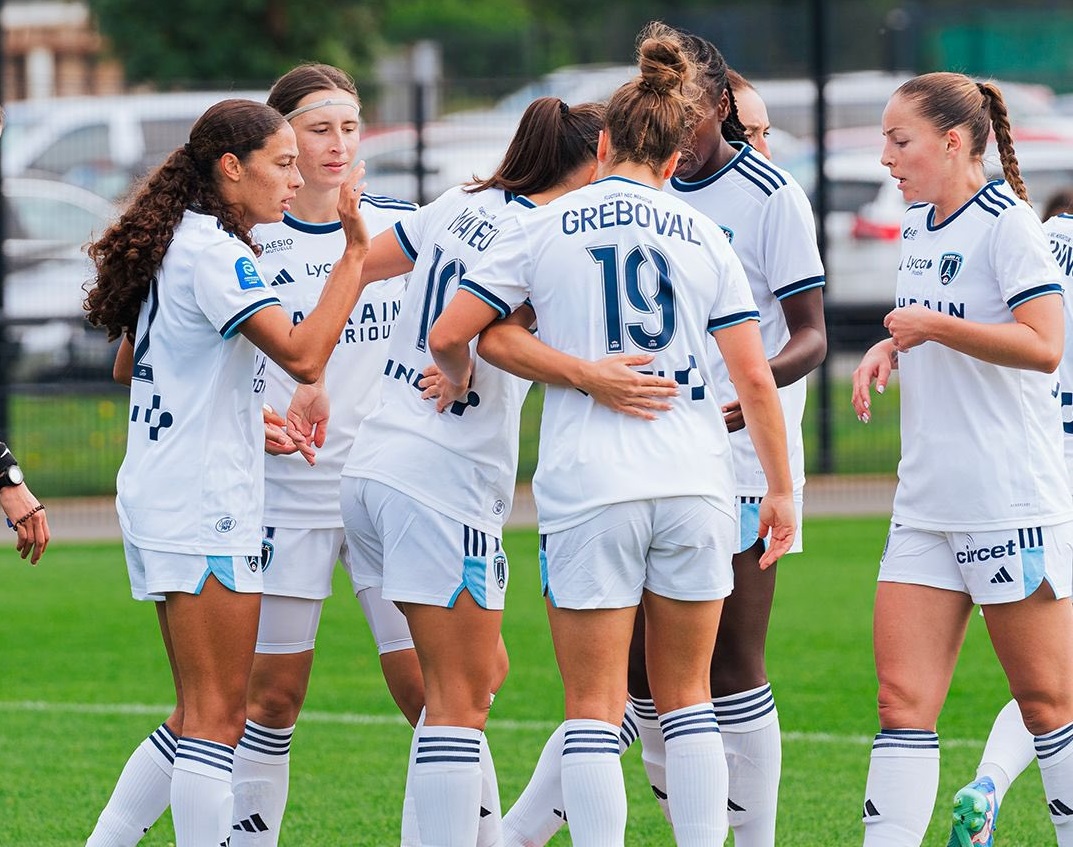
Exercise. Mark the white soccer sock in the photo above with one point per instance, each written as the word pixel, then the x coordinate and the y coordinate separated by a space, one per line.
pixel 593 788
pixel 538 813
pixel 696 775
pixel 490 823
pixel 141 794
pixel 411 832
pixel 749 722
pixel 260 784
pixel 1055 753
pixel 653 752
pixel 1009 750
pixel 446 785
pixel 903 779
pixel 201 798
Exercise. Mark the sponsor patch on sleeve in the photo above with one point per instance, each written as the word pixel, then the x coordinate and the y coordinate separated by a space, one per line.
pixel 248 275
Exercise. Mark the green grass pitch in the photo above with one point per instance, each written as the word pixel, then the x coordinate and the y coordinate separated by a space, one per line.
pixel 83 679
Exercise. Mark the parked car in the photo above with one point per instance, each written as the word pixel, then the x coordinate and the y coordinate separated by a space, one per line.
pixel 47 225
pixel 864 243
pixel 453 154
pixel 102 143
pixel 857 99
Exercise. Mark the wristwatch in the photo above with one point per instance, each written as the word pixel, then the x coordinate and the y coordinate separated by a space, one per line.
pixel 11 475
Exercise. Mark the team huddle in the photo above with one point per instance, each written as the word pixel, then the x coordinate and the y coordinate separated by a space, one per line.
pixel 325 375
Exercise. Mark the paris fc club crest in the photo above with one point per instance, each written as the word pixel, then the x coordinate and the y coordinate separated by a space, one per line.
pixel 499 564
pixel 949 265
pixel 268 552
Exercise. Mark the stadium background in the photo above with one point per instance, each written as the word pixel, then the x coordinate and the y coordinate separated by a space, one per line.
pixel 82 675
pixel 67 423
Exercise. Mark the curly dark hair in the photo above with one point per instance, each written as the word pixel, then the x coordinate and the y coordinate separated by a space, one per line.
pixel 131 250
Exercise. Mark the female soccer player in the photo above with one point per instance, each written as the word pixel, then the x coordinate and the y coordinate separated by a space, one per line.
pixel 303 532
pixel 976 335
pixel 177 279
pixel 769 223
pixel 425 491
pixel 1010 746
pixel 635 511
pixel 752 112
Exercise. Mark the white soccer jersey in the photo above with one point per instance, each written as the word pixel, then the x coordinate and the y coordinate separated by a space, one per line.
pixel 622 267
pixel 769 223
pixel 296 260
pixel 981 443
pixel 1059 230
pixel 462 462
pixel 192 478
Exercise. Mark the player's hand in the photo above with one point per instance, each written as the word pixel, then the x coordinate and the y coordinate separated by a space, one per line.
pixel 32 533
pixel 613 382
pixel 280 442
pixel 875 366
pixel 910 326
pixel 733 417
pixel 357 234
pixel 435 386
pixel 308 414
pixel 778 524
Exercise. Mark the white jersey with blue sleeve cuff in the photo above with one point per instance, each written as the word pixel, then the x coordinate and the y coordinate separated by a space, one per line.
pixel 463 461
pixel 1059 231
pixel 192 479
pixel 622 267
pixel 769 223
pixel 981 443
pixel 296 260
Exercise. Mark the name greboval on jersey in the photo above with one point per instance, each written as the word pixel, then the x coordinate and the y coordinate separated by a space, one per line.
pixel 619 266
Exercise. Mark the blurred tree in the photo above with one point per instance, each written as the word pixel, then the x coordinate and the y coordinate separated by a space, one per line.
pixel 240 42
pixel 482 39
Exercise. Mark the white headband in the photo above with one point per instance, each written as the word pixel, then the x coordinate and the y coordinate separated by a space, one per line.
pixel 301 110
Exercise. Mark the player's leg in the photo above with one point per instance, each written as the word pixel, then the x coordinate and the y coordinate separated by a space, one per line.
pixel 457 648
pixel 143 790
pixel 594 576
pixel 278 684
pixel 679 639
pixel 297 565
pixel 591 650
pixel 689 575
pixel 539 812
pixel 450 580
pixel 1033 640
pixel 213 635
pixel 918 631
pixel 744 704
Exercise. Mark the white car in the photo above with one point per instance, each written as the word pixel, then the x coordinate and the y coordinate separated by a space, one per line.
pixel 453 154
pixel 102 143
pixel 47 225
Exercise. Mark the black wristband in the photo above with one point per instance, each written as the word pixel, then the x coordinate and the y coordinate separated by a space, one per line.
pixel 6 459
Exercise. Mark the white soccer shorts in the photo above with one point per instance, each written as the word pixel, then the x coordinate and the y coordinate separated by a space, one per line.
pixel 676 547
pixel 154 573
pixel 992 566
pixel 417 555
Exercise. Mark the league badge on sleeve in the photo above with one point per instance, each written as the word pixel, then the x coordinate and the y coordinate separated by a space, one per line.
pixel 248 275
pixel 949 265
